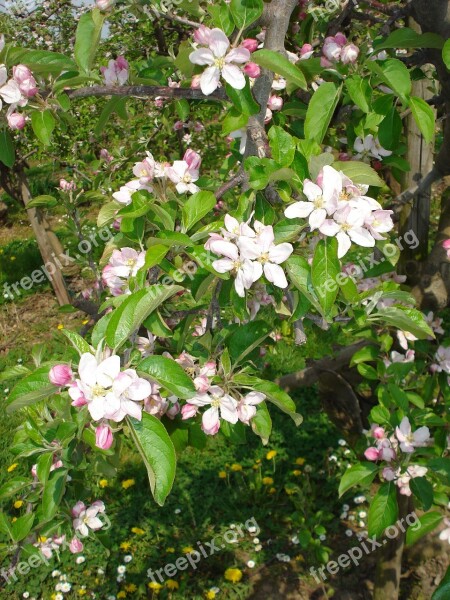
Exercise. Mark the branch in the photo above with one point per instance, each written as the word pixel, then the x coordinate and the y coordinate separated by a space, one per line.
pixel 173 17
pixel 408 195
pixel 145 91
pixel 234 181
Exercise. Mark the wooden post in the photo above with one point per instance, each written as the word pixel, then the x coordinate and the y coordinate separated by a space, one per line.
pixel 49 248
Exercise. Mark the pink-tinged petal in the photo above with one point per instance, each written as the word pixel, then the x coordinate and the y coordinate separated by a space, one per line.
pixel 133 409
pixel 238 55
pixel 254 398
pixel 223 265
pixel 11 92
pixel 275 274
pixel 344 243
pixel 201 399
pixel 404 430
pixel 221 247
pixel 228 410
pixel 87 369
pixel 95 523
pixel 218 42
pixel 108 370
pixel 250 272
pixel 121 383
pixel 266 237
pixel 97 408
pixel 139 389
pixel 332 183
pixel 203 56
pixel 78 508
pixel 371 454
pixel 211 421
pixel 362 237
pixel 280 253
pixel 311 190
pixel 329 227
pixel 234 76
pixel 249 248
pixel 421 435
pixel 209 80
pixel 317 218
pixel 299 210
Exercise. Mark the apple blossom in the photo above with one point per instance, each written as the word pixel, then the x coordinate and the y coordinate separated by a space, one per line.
pixel 188 411
pixel 246 407
pixel 116 73
pixel 222 406
pixel 250 43
pixel 275 103
pixel 409 440
pixel 220 62
pixel 202 35
pixel 104 4
pixel 76 545
pixel 103 437
pixel 183 175
pixel 348 226
pixel 306 51
pixel 60 375
pixel 25 80
pixel 404 479
pixel 442 358
pixel 349 54
pixel 124 195
pixel 370 146
pixel 130 389
pixel 9 91
pixel 67 186
pixel 145 169
pixel 145 345
pixel 86 518
pixel 16 121
pixel 252 70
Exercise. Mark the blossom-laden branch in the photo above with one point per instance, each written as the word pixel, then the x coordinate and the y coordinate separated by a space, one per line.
pixel 145 91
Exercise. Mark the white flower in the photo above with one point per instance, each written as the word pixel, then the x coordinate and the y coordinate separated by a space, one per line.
pixel 370 146
pixel 80 560
pixel 66 587
pixel 121 569
pixel 127 558
pixel 220 63
pixel 445 533
pixel 348 226
pixel 251 564
pixel 409 440
pixel 183 176
pixel 222 406
pixel 56 573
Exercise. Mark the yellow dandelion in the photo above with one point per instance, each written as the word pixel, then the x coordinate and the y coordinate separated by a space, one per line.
pixel 296 473
pixel 128 483
pixel 258 461
pixel 60 326
pixel 300 461
pixel 267 480
pixel 41 539
pixel 255 467
pixel 13 258
pixel 289 491
pixel 222 474
pixel 271 454
pixel 236 467
pixel 125 546
pixel 233 575
pixel 11 468
pixel 155 586
pixel 187 549
pixel 122 594
pixel 299 558
pixel 103 483
pixel 137 530
pixel 14 519
pixel 170 550
pixel 18 503
pixel 172 584
pixel 210 594
pixel 131 587
pixel 85 322
pixel 272 490
pixel 81 592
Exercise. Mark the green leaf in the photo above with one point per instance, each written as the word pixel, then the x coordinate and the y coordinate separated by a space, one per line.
pixel 443 590
pixel 233 121
pixel 7 151
pixel 324 270
pixel 245 339
pixel 446 54
pixel 43 466
pixel 299 273
pixel 262 423
pixel 13 486
pixel 5 525
pixel 128 317
pixel 43 124
pixel 158 453
pixel 423 490
pixel 87 38
pixel 424 116
pixel 39 61
pixel 408 38
pixel 274 394
pixel 405 319
pixel 245 12
pixel 154 255
pixel 383 510
pixel 114 105
pixel 30 389
pixel 360 91
pixel 359 474
pixel 243 99
pixel 442 467
pixel 276 62
pixel 42 201
pixel 22 527
pixel 320 111
pixel 359 172
pixel 390 130
pixel 169 374
pixel 77 341
pixel 53 494
pixel 282 146
pixel 221 17
pixel 395 74
pixel 196 207
pixel 424 525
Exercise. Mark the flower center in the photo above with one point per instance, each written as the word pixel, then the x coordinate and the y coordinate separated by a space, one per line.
pixel 186 178
pixel 215 402
pixel 344 195
pixel 130 262
pixel 318 202
pixel 98 391
pixel 264 258
pixel 219 63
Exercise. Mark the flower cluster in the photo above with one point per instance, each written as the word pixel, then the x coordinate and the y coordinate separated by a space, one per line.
pixel 122 265
pixel 369 147
pixel 355 217
pixel 86 518
pixel 249 253
pixel 337 49
pixel 16 91
pixel 219 60
pixel 116 73
pixel 389 449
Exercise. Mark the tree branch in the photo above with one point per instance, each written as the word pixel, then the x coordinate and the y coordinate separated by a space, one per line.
pixel 408 195
pixel 145 91
pixel 232 183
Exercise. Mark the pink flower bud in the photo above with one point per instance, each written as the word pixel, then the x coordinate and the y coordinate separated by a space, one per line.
pixel 195 82
pixel 16 121
pixel 60 375
pixel 379 433
pixel 77 396
pixel 25 80
pixel 275 103
pixel 268 116
pixel 105 155
pixel 389 474
pixel 446 244
pixel 121 62
pixel 34 470
pixel 103 437
pixel 331 50
pixel 340 39
pixel 188 411
pixel 371 453
pixel 202 384
pixel 250 44
pixel 349 54
pixel 193 159
pixel 178 125
pixel 78 508
pixel 252 70
pixel 325 63
pixel 159 102
pixel 202 35
pixel 67 186
pixel 76 546
pixel 173 410
pixel 306 49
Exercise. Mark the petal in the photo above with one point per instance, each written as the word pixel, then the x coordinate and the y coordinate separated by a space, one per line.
pixel 299 209
pixel 200 400
pixel 202 56
pixel 250 272
pixel 238 55
pixel 329 227
pixel 139 389
pixel 280 253
pixel 421 435
pixel 95 523
pixel 344 244
pixel 87 369
pixel 211 421
pixel 317 218
pixel 108 370
pixel 223 265
pixel 311 190
pixel 249 248
pixel 234 76
pixel 97 408
pixel 362 237
pixel 266 237
pixel 332 183
pixel 254 398
pixel 275 274
pixel 218 42
pixel 228 410
pixel 224 248
pixel 133 409
pixel 209 80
